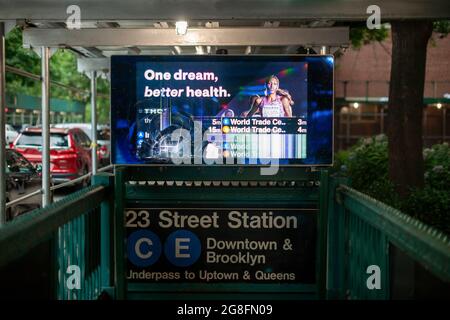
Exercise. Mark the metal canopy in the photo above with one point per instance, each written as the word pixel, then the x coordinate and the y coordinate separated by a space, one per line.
pixel 167 37
pixel 51 10
pixel 87 65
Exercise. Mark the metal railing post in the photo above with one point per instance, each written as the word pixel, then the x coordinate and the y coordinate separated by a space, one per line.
pixel 444 123
pixel 335 240
pixel 94 120
pixel 119 263
pixel 2 127
pixel 322 238
pixel 46 198
pixel 106 218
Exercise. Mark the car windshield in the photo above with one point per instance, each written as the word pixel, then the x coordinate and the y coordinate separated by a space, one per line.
pixel 103 134
pixel 15 162
pixel 34 139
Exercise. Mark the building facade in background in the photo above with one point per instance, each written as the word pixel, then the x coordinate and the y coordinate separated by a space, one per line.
pixel 362 89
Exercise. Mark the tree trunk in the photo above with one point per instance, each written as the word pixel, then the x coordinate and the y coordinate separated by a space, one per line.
pixel 404 120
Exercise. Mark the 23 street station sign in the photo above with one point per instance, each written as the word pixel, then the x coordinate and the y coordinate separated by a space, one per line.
pixel 221 245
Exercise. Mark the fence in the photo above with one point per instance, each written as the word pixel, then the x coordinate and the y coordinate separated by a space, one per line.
pixel 76 229
pixel 361 232
pixel 364 232
pixel 369 120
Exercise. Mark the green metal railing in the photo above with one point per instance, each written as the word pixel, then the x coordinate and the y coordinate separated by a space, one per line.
pixel 361 233
pixel 79 230
pixel 73 250
pixel 354 232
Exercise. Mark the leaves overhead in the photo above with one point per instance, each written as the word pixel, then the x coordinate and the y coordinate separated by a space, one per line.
pixel 442 27
pixel 63 69
pixel 360 35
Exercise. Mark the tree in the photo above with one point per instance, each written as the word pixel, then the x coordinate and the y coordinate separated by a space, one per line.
pixel 360 35
pixel 63 69
pixel 404 120
pixel 17 56
pixel 405 113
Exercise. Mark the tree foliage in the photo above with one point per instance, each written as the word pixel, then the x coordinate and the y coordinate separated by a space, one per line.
pixel 366 164
pixel 27 60
pixel 442 27
pixel 361 35
pixel 409 46
pixel 63 69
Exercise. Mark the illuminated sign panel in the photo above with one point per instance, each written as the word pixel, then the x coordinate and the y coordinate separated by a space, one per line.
pixel 221 245
pixel 222 110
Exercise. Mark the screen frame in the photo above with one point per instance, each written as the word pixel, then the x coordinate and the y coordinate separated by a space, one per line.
pixel 216 166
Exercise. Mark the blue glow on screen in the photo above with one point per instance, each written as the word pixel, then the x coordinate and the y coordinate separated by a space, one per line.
pixel 238 89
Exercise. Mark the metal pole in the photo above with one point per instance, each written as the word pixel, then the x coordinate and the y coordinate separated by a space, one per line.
pixel 46 197
pixel 2 127
pixel 444 122
pixel 94 120
pixel 425 123
pixel 367 91
pixel 347 132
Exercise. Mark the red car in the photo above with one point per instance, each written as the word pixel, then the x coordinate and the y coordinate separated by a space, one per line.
pixel 70 152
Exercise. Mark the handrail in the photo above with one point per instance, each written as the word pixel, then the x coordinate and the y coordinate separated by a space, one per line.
pixel 106 168
pixel 32 194
pixel 26 231
pixel 74 181
pixel 71 182
pixel 428 246
pixel 58 186
pixel 36 77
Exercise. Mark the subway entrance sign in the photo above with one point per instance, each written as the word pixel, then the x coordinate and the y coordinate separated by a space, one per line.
pixel 209 245
pixel 218 163
pixel 219 233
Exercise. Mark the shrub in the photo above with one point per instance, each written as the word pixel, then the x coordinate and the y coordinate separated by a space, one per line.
pixel 437 166
pixel 430 205
pixel 340 161
pixel 366 164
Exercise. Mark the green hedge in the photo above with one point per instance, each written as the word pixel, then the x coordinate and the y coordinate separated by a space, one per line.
pixel 366 164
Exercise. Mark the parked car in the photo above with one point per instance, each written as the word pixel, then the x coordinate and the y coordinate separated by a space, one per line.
pixel 21 178
pixel 70 152
pixel 103 139
pixel 10 134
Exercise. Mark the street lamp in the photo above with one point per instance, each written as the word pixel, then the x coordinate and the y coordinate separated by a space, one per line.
pixel 181 27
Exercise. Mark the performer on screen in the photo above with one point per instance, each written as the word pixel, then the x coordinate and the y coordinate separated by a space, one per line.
pixel 276 103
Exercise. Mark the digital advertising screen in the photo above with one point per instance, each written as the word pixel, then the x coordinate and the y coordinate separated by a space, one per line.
pixel 222 110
